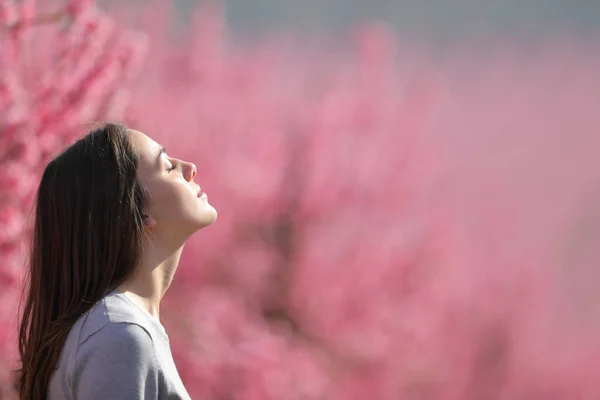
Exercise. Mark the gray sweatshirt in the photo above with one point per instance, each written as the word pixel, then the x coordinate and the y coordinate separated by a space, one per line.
pixel 116 351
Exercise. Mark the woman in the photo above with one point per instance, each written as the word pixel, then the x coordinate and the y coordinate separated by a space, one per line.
pixel 113 214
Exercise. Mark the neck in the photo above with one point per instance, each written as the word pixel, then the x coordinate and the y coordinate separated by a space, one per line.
pixel 154 276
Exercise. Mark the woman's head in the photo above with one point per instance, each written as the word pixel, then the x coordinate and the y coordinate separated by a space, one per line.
pixel 176 206
pixel 98 203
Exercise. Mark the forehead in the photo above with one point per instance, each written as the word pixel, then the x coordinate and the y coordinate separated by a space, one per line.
pixel 145 146
pixel 148 150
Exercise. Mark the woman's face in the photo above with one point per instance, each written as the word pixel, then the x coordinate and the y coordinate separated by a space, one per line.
pixel 176 206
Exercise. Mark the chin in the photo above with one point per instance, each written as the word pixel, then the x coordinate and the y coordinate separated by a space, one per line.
pixel 208 217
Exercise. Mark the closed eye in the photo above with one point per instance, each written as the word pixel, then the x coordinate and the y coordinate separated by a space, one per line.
pixel 173 165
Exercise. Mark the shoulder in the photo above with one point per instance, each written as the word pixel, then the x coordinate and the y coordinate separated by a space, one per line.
pixel 119 362
pixel 120 334
pixel 116 345
pixel 111 316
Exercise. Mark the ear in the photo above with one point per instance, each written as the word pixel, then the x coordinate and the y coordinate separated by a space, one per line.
pixel 149 222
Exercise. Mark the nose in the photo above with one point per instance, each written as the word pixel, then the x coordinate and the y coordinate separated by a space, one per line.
pixel 190 171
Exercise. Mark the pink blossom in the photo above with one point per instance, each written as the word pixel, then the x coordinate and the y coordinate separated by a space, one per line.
pixel 391 225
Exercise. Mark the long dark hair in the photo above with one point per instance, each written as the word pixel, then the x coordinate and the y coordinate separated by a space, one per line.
pixel 86 241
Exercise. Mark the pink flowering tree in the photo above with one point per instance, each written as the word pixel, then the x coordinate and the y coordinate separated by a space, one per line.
pixel 357 253
pixel 60 69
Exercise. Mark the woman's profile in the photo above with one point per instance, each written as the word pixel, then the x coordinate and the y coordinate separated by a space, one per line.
pixel 112 214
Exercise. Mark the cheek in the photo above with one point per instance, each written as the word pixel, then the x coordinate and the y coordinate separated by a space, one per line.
pixel 169 202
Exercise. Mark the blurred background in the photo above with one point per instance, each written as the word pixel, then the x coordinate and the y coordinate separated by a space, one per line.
pixel 408 191
pixel 432 19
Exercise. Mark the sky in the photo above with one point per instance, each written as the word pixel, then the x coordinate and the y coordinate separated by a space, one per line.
pixel 433 19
